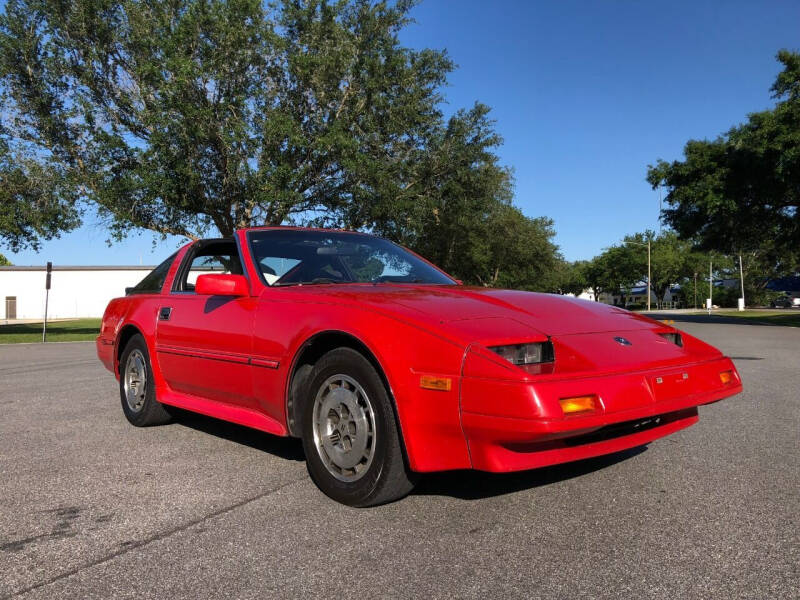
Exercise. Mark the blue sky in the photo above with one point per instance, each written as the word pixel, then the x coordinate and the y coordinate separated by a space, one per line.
pixel 585 94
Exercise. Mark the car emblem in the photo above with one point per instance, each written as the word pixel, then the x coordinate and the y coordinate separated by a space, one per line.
pixel 622 341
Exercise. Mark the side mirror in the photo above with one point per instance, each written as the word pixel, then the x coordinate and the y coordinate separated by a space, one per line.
pixel 222 285
pixel 459 282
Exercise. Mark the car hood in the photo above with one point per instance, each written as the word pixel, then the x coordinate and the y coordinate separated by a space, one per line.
pixel 475 312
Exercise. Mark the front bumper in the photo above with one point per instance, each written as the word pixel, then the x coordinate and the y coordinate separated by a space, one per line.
pixel 526 429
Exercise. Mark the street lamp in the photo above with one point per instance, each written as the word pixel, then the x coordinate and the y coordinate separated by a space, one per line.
pixel 648 267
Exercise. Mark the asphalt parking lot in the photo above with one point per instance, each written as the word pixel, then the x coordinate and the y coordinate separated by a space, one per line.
pixel 95 508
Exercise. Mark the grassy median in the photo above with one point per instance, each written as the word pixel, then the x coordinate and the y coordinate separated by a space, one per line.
pixel 59 331
pixel 791 317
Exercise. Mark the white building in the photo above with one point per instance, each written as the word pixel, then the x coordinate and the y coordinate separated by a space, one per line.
pixel 635 297
pixel 75 292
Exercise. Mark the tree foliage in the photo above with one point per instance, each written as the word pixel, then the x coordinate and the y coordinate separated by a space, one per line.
pixel 571 277
pixel 198 116
pixel 35 203
pixel 183 116
pixel 740 193
pixel 621 267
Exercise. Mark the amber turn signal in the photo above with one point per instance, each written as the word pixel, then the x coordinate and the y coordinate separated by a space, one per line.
pixel 441 384
pixel 578 404
pixel 726 377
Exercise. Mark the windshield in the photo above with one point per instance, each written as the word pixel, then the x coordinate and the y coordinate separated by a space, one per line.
pixel 294 257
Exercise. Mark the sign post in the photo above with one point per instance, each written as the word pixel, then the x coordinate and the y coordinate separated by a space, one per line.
pixel 46 299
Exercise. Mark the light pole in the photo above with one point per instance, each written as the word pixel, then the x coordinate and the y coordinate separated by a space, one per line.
pixel 741 279
pixel 710 285
pixel 648 267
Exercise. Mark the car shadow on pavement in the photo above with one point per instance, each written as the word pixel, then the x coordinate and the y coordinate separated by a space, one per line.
pixel 282 447
pixel 476 485
pixel 465 484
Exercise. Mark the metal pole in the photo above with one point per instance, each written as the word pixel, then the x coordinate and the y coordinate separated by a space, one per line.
pixel 649 284
pixel 46 299
pixel 659 209
pixel 695 291
pixel 741 277
pixel 710 286
pixel 44 325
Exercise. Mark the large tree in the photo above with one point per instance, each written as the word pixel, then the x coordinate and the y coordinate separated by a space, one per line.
pixel 619 268
pixel 196 116
pixel 740 193
pixel 671 260
pixel 186 116
pixel 182 116
pixel 571 277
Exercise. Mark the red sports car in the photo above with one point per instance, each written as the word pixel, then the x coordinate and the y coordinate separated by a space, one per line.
pixel 387 367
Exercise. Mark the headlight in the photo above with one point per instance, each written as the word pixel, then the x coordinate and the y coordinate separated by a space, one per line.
pixel 675 338
pixel 526 354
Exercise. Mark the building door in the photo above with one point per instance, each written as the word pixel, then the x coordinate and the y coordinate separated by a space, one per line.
pixel 11 307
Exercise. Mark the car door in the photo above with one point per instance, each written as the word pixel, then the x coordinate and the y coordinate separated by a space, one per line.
pixel 204 343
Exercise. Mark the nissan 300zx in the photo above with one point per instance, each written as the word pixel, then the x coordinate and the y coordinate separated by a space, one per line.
pixel 387 367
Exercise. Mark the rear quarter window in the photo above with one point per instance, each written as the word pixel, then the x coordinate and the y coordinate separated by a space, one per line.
pixel 154 280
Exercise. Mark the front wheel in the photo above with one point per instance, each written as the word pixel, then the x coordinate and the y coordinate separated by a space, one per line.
pixel 350 435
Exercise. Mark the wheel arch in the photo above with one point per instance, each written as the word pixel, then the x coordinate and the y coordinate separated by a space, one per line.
pixel 126 332
pixel 308 354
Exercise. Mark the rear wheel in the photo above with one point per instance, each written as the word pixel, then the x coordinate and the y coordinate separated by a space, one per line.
pixel 136 387
pixel 350 434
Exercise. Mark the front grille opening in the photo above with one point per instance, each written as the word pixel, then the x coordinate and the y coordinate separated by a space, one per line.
pixel 609 432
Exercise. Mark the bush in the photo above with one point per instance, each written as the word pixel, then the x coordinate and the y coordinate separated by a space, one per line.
pixel 726 297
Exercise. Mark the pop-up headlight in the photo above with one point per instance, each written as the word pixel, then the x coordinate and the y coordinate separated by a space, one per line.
pixel 526 354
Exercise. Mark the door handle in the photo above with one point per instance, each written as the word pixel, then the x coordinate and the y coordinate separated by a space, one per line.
pixel 164 313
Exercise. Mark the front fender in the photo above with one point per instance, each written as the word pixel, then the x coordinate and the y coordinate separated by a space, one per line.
pixel 429 420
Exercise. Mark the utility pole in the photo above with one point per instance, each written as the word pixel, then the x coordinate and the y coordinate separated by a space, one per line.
pixel 741 278
pixel 649 284
pixel 710 286
pixel 695 291
pixel 659 209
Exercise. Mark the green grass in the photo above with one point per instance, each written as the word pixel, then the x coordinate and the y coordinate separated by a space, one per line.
pixel 59 331
pixel 790 317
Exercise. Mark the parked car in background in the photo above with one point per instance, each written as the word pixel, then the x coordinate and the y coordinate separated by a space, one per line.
pixel 785 301
pixel 387 367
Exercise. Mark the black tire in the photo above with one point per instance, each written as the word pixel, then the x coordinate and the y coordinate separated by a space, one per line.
pixel 384 477
pixel 146 410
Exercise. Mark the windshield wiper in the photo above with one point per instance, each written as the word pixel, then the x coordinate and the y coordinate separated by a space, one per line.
pixel 315 281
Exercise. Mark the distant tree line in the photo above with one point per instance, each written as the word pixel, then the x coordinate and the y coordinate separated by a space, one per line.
pixel 674 262
pixel 736 195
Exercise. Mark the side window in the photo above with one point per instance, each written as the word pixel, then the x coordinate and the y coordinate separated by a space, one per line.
pixel 217 257
pixel 154 280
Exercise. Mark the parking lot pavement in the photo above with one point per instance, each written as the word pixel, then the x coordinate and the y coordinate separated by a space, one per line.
pixel 95 508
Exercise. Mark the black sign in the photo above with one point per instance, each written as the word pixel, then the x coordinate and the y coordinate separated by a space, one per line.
pixel 49 270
